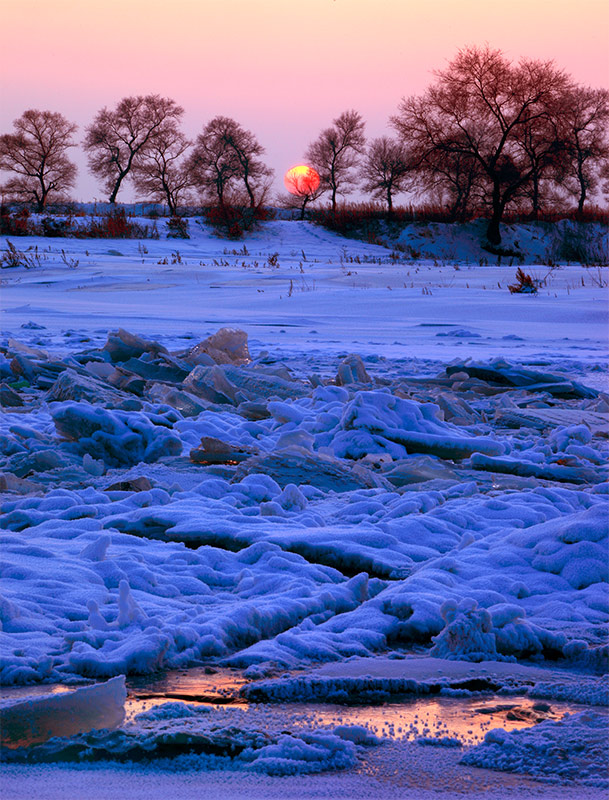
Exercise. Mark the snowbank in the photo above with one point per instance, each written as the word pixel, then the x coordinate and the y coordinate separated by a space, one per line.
pixel 574 748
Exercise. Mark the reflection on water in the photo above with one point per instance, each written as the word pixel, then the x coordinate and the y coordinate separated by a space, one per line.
pixel 199 684
pixel 467 719
pixel 13 694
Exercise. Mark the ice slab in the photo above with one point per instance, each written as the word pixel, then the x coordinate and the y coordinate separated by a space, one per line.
pixel 37 719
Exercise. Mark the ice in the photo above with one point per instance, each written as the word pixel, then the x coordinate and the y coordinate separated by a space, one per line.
pixel 375 422
pixel 556 472
pixel 37 719
pixel 114 437
pixel 122 345
pixel 468 632
pixel 177 494
pixel 307 753
pixel 574 747
pixel 227 346
pixel 72 386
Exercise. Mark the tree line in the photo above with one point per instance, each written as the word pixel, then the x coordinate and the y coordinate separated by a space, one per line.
pixel 488 134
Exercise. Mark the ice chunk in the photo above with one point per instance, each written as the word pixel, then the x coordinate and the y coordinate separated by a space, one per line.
pixel 37 719
pixel 291 498
pixel 306 753
pixel 122 345
pixel 298 466
pixel 227 346
pixel 92 466
pixel 352 370
pixel 95 620
pixel 211 384
pixel 526 469
pixel 377 422
pixel 96 550
pixel 72 386
pixel 128 610
pixel 468 632
pixel 116 437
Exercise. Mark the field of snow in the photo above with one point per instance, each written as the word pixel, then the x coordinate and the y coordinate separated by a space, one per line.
pixel 299 450
pixel 342 299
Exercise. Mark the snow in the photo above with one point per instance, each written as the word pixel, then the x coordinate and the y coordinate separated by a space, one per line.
pixel 396 457
pixel 337 306
pixel 557 751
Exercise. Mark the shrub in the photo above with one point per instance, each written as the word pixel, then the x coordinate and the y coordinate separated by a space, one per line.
pixel 12 257
pixel 371 221
pixel 52 226
pixel 525 283
pixel 177 228
pixel 573 244
pixel 114 225
pixel 232 221
pixel 14 223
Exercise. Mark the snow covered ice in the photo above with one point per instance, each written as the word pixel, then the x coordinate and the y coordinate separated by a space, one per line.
pixel 201 469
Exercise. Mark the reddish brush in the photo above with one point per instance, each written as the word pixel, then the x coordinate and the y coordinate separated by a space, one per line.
pixel 526 284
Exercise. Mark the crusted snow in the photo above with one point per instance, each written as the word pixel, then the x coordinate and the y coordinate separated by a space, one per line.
pixel 447 490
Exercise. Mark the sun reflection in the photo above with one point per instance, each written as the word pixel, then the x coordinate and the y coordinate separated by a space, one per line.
pixel 466 719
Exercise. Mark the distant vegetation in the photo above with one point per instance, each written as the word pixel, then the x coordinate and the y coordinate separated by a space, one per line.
pixel 488 138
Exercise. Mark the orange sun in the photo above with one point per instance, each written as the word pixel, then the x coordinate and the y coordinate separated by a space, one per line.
pixel 301 180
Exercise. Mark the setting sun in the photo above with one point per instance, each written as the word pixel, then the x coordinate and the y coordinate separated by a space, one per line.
pixel 301 180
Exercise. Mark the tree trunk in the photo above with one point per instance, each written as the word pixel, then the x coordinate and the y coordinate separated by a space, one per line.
pixel 117 185
pixel 170 204
pixel 389 202
pixel 582 200
pixel 582 186
pixel 250 193
pixel 493 234
pixel 535 197
pixel 41 198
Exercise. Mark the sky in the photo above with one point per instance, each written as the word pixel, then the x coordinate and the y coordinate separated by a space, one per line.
pixel 282 68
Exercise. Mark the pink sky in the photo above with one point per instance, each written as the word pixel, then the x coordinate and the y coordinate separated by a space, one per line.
pixel 283 68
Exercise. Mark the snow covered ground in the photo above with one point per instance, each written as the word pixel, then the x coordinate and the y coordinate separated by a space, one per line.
pixel 400 458
pixel 342 299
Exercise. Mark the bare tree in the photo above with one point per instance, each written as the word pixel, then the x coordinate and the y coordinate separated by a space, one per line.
pixel 36 153
pixel 226 157
pixel 385 168
pixel 212 168
pixel 544 150
pixel 160 172
pixel 246 150
pixel 336 152
pixel 455 180
pixel 117 138
pixel 586 113
pixel 479 108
